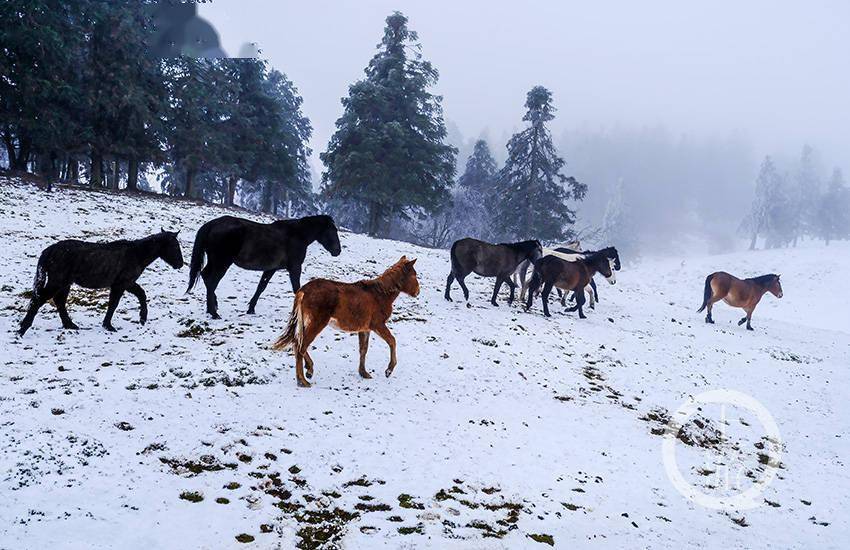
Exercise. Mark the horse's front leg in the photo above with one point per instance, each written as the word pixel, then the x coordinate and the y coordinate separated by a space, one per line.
pixel 363 338
pixel 264 282
pixel 547 288
pixel 139 293
pixel 388 337
pixel 512 286
pixel 115 294
pixel 295 277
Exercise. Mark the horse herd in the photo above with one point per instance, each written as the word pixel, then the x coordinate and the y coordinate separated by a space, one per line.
pixel 362 307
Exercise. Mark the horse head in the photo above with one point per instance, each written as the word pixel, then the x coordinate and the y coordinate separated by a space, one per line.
pixel 612 254
pixel 409 281
pixel 170 250
pixel 329 236
pixel 775 287
pixel 604 265
pixel 535 251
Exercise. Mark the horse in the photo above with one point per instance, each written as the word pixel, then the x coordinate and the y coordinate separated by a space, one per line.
pixel 362 307
pixel 519 276
pixel 551 271
pixel 489 260
pixel 572 255
pixel 744 294
pixel 114 265
pixel 257 247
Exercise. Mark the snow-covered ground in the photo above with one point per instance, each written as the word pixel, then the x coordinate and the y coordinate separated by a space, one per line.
pixel 499 428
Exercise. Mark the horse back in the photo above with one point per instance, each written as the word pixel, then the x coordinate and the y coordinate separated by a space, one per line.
pixel 90 265
pixel 351 307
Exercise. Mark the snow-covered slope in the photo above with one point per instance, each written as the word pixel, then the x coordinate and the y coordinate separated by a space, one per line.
pixel 499 428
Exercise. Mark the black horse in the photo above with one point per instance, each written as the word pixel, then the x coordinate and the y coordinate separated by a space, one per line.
pixel 114 265
pixel 257 247
pixel 489 260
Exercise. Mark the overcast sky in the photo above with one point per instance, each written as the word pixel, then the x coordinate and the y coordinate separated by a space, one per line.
pixel 776 71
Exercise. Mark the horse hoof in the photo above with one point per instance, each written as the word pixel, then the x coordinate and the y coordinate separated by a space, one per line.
pixel 468 305
pixel 309 374
pixel 303 384
pixel 72 326
pixel 250 312
pixel 110 328
pixel 449 299
pixel 366 375
pixel 389 372
pixel 215 315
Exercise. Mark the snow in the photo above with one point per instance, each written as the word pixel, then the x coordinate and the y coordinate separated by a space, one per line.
pixel 489 410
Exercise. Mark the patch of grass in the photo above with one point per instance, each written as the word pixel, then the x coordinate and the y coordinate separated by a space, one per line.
pixel 406 501
pixel 232 486
pixel 368 507
pixel 542 538
pixel 192 496
pixel 244 538
pixel 222 500
pixel 418 529
pixel 206 463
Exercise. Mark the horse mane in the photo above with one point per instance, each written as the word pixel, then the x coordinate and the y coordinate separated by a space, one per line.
pixel 594 255
pixel 522 246
pixel 763 280
pixel 389 282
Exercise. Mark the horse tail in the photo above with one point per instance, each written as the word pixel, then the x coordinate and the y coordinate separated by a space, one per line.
pixel 707 294
pixel 456 269
pixel 293 336
pixel 198 251
pixel 534 284
pixel 40 280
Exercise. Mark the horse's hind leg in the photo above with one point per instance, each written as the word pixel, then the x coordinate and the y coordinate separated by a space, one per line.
pixel 547 289
pixel 496 288
pixel 115 294
pixel 61 299
pixel 747 319
pixel 212 275
pixel 139 293
pixel 264 282
pixel 312 327
pixel 35 303
pixel 363 338
pixel 449 280
pixel 512 286
pixel 460 281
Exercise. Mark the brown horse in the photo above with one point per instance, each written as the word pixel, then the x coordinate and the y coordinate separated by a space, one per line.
pixel 551 271
pixel 744 294
pixel 360 307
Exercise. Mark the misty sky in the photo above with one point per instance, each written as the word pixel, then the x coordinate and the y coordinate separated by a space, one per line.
pixel 775 71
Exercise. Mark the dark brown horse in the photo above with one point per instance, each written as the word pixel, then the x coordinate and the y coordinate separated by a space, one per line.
pixel 489 260
pixel 551 271
pixel 115 265
pixel 744 294
pixel 257 247
pixel 361 307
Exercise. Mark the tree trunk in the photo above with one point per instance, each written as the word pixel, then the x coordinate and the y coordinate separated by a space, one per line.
pixel 116 175
pixel 10 149
pixel 372 229
pixel 23 157
pixel 73 171
pixel 96 172
pixel 190 182
pixel 231 190
pixel 133 174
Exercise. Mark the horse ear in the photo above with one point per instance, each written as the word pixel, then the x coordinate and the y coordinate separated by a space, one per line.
pixel 403 259
pixel 161 230
pixel 411 262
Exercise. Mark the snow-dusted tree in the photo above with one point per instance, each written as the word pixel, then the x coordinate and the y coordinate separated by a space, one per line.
pixel 388 152
pixel 768 189
pixel 532 196
pixel 833 212
pixel 806 195
pixel 617 227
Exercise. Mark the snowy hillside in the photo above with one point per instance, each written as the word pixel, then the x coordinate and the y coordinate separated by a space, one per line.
pixel 499 428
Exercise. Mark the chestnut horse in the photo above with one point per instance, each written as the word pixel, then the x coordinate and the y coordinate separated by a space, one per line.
pixel 744 294
pixel 360 307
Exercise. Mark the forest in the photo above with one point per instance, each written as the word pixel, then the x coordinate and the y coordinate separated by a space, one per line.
pixel 82 102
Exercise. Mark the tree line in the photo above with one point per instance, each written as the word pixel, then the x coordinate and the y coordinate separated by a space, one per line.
pixel 790 205
pixel 82 102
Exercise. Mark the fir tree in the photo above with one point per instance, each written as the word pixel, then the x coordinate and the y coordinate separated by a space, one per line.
pixel 833 212
pixel 388 153
pixel 480 173
pixel 532 192
pixel 806 195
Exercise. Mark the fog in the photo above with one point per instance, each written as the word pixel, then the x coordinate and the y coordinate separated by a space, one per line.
pixel 723 83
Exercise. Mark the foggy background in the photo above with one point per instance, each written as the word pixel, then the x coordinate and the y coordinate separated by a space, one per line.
pixel 679 102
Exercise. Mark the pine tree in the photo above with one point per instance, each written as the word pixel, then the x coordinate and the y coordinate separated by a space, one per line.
pixel 833 212
pixel 767 189
pixel 532 192
pixel 480 173
pixel 388 152
pixel 806 195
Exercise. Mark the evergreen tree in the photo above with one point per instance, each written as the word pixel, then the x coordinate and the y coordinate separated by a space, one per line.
pixel 806 195
pixel 532 192
pixel 480 173
pixel 388 153
pixel 767 188
pixel 833 212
